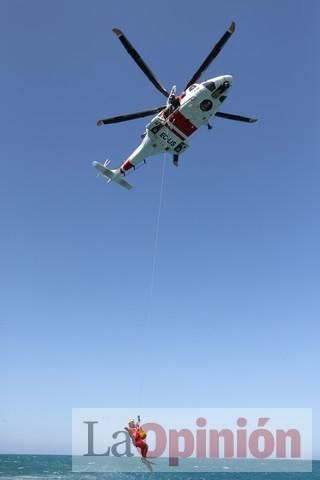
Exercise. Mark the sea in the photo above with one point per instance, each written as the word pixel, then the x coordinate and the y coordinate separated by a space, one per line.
pixel 59 467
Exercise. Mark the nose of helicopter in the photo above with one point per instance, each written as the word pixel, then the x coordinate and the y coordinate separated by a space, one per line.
pixel 222 79
pixel 222 83
pixel 228 78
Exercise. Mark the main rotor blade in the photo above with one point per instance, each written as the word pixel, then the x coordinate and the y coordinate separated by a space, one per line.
pixel 239 118
pixel 213 54
pixel 141 64
pixel 129 116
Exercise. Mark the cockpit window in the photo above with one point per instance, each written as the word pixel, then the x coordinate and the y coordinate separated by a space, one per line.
pixel 210 86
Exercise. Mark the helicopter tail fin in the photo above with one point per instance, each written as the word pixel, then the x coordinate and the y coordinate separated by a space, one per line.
pixel 112 175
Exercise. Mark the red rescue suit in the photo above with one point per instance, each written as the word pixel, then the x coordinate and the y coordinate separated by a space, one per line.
pixel 138 441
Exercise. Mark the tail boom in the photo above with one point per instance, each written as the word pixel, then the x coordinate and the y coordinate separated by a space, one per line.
pixel 113 175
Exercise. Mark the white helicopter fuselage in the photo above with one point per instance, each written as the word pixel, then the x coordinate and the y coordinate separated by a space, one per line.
pixel 171 129
pixel 174 124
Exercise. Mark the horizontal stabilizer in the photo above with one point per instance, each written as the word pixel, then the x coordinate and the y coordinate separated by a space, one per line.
pixel 112 175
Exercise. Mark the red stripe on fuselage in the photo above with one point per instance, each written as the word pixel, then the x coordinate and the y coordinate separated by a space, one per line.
pixel 183 123
pixel 126 165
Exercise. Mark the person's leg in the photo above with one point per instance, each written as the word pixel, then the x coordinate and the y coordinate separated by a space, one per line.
pixel 143 447
pixel 144 450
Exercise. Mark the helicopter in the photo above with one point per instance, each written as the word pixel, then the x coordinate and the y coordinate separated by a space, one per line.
pixel 177 120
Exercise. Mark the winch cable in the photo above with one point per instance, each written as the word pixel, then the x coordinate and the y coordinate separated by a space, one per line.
pixel 148 315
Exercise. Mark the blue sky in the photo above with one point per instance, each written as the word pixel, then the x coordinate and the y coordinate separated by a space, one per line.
pixel 235 309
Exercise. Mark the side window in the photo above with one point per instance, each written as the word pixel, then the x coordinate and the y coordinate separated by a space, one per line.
pixel 166 112
pixel 192 87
